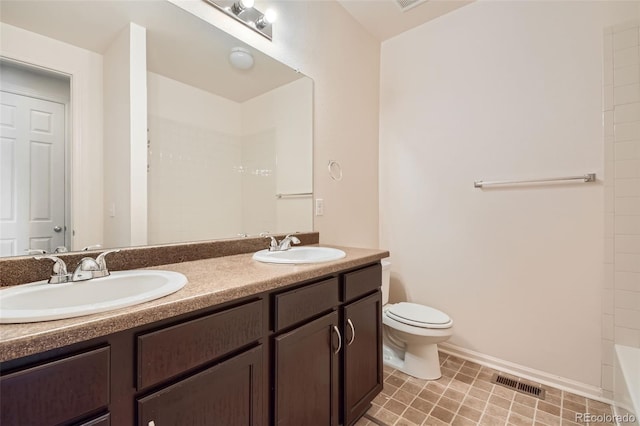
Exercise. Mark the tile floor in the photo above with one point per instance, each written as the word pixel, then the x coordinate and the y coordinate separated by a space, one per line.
pixel 464 395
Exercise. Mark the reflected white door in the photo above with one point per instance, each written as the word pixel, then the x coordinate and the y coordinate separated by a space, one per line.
pixel 32 165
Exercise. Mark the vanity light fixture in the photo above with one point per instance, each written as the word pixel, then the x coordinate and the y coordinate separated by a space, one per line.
pixel 243 11
pixel 239 6
pixel 268 18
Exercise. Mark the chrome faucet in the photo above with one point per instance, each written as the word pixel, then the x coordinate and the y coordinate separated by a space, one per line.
pixel 87 269
pixel 60 274
pixel 283 245
pixel 286 242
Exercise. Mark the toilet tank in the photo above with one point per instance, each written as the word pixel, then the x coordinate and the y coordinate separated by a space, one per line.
pixel 386 279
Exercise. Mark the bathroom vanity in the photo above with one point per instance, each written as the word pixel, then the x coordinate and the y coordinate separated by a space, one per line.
pixel 244 343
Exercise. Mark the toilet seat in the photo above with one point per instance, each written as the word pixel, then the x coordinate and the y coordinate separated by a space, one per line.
pixel 418 315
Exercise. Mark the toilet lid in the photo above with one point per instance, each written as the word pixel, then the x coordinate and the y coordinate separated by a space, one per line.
pixel 419 315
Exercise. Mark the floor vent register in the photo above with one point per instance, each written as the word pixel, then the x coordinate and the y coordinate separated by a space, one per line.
pixel 519 385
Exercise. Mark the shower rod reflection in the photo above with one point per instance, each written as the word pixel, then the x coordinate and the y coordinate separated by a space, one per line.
pixel 589 177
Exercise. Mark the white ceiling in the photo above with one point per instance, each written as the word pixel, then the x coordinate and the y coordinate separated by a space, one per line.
pixel 180 46
pixel 385 19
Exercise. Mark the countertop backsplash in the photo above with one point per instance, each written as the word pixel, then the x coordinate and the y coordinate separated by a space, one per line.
pixel 24 269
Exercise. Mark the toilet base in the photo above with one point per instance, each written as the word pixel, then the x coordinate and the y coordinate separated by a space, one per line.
pixel 421 361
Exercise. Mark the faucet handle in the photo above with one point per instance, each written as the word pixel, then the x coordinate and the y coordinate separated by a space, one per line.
pixel 101 261
pixel 286 242
pixel 273 245
pixel 35 251
pixel 60 274
pixel 86 269
pixel 293 239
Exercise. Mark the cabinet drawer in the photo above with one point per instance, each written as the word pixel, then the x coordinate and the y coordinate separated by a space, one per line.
pixel 168 352
pixel 361 282
pixel 304 302
pixel 56 392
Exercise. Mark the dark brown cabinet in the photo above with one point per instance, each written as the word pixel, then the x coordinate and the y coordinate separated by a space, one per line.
pixel 328 370
pixel 307 354
pixel 227 394
pixel 170 351
pixel 306 377
pixel 362 361
pixel 59 392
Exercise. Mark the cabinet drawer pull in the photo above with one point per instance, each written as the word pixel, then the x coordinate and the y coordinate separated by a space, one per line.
pixel 339 339
pixel 353 331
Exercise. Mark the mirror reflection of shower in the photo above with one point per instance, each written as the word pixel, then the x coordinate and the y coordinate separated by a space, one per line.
pixel 126 182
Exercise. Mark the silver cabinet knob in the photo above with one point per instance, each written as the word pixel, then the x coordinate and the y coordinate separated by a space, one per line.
pixel 57 228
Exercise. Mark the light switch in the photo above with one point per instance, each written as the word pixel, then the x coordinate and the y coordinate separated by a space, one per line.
pixel 319 207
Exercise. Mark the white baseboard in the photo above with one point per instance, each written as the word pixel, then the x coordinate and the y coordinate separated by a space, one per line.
pixel 518 370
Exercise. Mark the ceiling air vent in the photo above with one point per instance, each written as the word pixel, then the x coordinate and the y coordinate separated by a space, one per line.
pixel 519 385
pixel 408 4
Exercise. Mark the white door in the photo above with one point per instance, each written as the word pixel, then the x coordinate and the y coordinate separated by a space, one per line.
pixel 32 165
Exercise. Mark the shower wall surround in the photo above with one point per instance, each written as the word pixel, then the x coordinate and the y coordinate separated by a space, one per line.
pixel 621 112
pixel 217 164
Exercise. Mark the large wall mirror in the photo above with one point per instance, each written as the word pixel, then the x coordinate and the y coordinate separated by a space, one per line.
pixel 124 123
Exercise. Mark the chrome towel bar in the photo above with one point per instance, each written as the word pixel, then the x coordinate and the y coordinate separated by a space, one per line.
pixel 589 177
pixel 295 195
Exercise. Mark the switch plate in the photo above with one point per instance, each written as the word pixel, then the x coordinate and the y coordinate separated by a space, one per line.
pixel 319 207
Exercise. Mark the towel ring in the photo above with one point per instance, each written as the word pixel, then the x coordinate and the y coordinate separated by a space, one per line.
pixel 335 170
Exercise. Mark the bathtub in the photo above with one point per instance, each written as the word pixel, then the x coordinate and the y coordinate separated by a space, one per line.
pixel 627 385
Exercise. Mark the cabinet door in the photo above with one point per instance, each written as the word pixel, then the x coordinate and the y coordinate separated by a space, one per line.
pixel 362 355
pixel 104 420
pixel 306 374
pixel 227 394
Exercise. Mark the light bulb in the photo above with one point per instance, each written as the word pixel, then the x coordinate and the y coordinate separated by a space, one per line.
pixel 241 5
pixel 268 18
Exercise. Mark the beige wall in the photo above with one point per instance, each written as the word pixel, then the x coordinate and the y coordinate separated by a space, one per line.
pixel 322 40
pixel 501 90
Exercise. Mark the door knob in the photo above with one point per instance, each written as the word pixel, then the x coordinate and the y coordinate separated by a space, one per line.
pixel 57 228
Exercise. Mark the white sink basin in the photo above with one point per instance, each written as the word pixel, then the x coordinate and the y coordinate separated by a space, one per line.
pixel 304 254
pixel 41 301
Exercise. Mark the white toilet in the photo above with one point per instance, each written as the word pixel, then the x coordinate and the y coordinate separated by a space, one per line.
pixel 412 333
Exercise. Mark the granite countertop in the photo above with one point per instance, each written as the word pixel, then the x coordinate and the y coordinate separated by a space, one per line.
pixel 211 282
